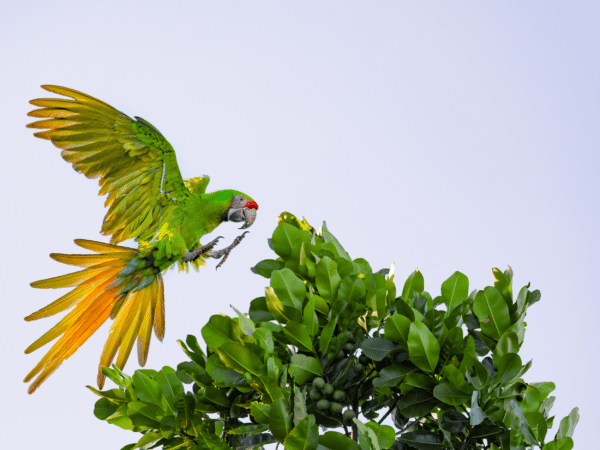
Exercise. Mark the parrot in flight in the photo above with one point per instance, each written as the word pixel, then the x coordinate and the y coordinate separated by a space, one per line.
pixel 147 200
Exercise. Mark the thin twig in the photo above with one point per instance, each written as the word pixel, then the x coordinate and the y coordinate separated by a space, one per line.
pixel 387 414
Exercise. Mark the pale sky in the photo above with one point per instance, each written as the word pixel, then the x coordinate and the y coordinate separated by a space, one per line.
pixel 437 135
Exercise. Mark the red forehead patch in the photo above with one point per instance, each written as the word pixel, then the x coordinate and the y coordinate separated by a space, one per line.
pixel 252 205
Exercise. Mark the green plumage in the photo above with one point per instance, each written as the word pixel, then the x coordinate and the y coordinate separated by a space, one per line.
pixel 148 201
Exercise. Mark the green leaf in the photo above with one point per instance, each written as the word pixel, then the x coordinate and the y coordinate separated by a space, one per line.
pixel 116 395
pixel 300 411
pixel 508 368
pixel 259 312
pixel 220 329
pixel 121 419
pixel 413 380
pixel 147 390
pixel 453 421
pixel 385 435
pixel 391 376
pixel 416 403
pixel 304 368
pixel 309 318
pixel 423 347
pixel 508 343
pixel 503 283
pixel 568 424
pixel 245 323
pixel 330 238
pixel 477 414
pixel 280 312
pixel 264 338
pixel 523 427
pixel 327 279
pixel 144 414
pixel 565 443
pixel 104 408
pixel 492 311
pixel 397 328
pixel 352 289
pixel 280 419
pixel 148 438
pixel 423 440
pixel 267 266
pixel 414 283
pixel 241 359
pixel 450 395
pixel 207 440
pixel 285 238
pixel 290 289
pixel 299 336
pixel 221 375
pixel 455 290
pixel 260 412
pixel 171 387
pixel 377 348
pixel 333 440
pixel 250 428
pixel 304 436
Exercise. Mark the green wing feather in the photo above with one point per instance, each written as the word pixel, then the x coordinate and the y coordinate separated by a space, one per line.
pixel 136 165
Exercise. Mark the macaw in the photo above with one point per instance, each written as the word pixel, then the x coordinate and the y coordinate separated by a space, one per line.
pixel 148 201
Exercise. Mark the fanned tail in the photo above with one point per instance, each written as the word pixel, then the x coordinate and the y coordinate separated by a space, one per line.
pixel 113 284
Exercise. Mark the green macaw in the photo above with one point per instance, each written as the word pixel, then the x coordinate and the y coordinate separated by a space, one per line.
pixel 149 201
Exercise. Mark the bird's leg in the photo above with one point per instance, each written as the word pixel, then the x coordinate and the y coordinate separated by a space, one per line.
pixel 224 253
pixel 195 254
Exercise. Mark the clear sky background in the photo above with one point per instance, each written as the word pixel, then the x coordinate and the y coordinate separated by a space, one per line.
pixel 437 135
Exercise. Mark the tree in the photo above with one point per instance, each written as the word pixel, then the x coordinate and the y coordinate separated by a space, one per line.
pixel 332 352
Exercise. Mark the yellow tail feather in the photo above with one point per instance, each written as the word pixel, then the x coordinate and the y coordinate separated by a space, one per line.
pixel 93 297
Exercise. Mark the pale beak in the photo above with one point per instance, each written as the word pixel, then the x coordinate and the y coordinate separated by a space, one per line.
pixel 246 215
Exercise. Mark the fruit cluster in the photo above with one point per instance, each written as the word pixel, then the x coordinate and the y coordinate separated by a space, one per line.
pixel 322 391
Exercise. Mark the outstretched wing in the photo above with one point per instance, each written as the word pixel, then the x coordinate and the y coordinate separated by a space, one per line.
pixel 135 163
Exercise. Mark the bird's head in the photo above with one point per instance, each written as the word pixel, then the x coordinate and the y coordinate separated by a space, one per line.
pixel 241 209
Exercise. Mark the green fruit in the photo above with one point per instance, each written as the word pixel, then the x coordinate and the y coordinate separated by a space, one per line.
pixel 373 323
pixel 336 408
pixel 339 396
pixel 350 335
pixel 359 367
pixel 315 394
pixel 348 348
pixel 323 405
pixel 327 389
pixel 318 383
pixel 363 360
pixel 340 355
pixel 348 416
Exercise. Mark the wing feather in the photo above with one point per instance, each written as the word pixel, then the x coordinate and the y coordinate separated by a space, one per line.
pixel 135 164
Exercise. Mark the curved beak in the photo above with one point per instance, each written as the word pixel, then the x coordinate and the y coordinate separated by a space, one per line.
pixel 246 215
pixel 249 218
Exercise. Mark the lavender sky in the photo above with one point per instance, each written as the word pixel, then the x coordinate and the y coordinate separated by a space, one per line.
pixel 437 135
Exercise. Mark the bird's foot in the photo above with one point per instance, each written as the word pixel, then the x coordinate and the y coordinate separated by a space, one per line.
pixel 224 253
pixel 195 254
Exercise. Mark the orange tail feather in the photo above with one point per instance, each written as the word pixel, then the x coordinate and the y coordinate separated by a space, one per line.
pixel 94 295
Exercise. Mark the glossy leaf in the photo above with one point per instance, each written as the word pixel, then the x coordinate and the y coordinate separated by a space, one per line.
pixel 453 421
pixel 416 403
pixel 423 440
pixel 304 368
pixel 267 266
pixel 327 279
pixel 290 289
pixel 492 311
pixel 423 347
pixel 397 328
pixel 414 283
pixel 241 359
pixel 455 290
pixel 377 348
pixel 304 436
